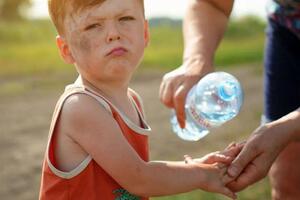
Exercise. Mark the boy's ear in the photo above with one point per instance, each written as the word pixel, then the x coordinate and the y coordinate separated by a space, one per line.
pixel 146 33
pixel 64 50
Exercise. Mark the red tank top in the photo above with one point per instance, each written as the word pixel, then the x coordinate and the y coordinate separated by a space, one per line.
pixel 89 181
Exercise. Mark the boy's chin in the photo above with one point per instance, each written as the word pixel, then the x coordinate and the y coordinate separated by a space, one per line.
pixel 122 67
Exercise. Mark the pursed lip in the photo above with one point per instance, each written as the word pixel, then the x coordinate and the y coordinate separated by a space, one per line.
pixel 118 51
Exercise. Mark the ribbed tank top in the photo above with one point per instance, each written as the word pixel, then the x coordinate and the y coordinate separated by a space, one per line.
pixel 88 181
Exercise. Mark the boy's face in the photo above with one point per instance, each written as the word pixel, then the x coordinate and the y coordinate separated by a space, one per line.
pixel 106 42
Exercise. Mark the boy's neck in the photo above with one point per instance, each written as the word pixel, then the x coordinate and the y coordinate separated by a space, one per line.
pixel 110 91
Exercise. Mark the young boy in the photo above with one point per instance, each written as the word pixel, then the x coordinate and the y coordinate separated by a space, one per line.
pixel 98 142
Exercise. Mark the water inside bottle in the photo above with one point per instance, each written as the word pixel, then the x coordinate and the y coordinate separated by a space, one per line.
pixel 191 132
pixel 218 104
pixel 216 99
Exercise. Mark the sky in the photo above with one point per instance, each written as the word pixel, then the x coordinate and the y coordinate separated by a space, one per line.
pixel 172 8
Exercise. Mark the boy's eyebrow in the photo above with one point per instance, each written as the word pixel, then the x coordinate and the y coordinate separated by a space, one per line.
pixel 95 17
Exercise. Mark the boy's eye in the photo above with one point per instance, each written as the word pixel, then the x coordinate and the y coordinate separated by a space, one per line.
pixel 92 26
pixel 126 18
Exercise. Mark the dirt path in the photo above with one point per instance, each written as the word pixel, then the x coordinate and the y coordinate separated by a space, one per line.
pixel 24 123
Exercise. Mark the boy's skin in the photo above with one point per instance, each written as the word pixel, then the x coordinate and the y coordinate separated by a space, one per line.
pixel 106 44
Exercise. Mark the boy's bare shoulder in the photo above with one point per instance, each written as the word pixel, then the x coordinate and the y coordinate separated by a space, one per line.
pixel 79 110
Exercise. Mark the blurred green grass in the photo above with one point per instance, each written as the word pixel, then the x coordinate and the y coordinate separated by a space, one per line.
pixel 259 191
pixel 243 43
pixel 28 47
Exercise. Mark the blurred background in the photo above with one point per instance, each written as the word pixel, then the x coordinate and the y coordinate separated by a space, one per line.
pixel 32 76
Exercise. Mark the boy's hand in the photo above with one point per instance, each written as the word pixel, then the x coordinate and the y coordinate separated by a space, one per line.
pixel 226 156
pixel 213 175
pixel 215 167
pixel 211 158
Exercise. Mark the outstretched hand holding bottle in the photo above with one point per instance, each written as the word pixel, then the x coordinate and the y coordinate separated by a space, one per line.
pixel 215 99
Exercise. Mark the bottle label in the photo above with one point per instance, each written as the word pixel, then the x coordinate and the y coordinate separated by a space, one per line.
pixel 199 120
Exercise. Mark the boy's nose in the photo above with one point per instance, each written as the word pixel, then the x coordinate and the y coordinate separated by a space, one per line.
pixel 113 37
pixel 113 34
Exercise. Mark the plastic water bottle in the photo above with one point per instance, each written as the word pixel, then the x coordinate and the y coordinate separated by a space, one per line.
pixel 214 100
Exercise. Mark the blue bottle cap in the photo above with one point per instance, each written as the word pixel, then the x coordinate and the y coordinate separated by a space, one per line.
pixel 227 91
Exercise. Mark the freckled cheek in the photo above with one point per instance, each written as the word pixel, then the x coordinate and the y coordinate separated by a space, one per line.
pixel 85 45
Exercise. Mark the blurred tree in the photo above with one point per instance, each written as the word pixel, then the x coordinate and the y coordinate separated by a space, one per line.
pixel 13 9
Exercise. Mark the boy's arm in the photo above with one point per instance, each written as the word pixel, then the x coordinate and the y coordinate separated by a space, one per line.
pixel 93 128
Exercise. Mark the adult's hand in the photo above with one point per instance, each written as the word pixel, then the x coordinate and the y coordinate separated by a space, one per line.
pixel 176 84
pixel 258 155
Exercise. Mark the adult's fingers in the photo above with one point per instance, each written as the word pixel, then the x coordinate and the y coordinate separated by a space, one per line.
pixel 249 176
pixel 232 144
pixel 179 101
pixel 233 151
pixel 247 154
pixel 166 94
pixel 227 179
pixel 255 171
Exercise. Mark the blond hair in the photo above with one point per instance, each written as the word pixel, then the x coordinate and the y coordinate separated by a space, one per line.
pixel 58 10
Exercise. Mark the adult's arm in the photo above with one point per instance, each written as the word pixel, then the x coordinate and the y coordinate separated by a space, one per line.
pixel 203 28
pixel 262 148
